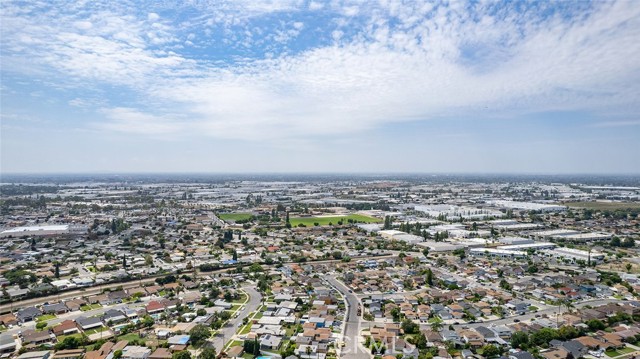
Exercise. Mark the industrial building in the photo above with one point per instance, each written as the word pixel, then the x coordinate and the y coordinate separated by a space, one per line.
pixel 573 235
pixel 41 231
pixel 496 252
pixel 513 225
pixel 528 206
pixel 575 254
pixel 515 240
pixel 527 246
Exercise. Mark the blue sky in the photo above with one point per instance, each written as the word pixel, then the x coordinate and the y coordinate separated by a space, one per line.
pixel 313 86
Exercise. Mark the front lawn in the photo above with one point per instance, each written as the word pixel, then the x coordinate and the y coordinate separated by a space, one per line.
pixel 243 298
pixel 618 352
pixel 130 337
pixel 61 338
pixel 45 317
pixel 88 307
pixel 96 330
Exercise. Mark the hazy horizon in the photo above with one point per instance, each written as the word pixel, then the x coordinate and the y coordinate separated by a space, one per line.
pixel 320 87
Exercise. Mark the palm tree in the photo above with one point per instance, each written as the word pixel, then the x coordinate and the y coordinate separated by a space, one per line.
pixel 436 325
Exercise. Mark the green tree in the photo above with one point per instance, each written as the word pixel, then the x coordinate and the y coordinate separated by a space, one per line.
pixel 615 241
pixel 490 351
pixel 543 336
pixel 436 324
pixel 429 278
pixel 628 242
pixel 207 353
pixel 567 332
pixel 409 327
pixel 595 325
pixel 199 335
pixel 184 354
pixel 520 340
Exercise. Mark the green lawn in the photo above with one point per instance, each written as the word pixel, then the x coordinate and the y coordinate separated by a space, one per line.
pixel 74 335
pixel 88 307
pixel 242 299
pixel 235 307
pixel 247 356
pixel 129 337
pixel 234 216
pixel 45 317
pixel 246 329
pixel 258 316
pixel 618 352
pixel 233 343
pixel 97 330
pixel 324 221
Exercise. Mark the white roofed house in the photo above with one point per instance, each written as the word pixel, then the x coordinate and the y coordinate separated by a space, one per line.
pixel 270 342
pixel 135 352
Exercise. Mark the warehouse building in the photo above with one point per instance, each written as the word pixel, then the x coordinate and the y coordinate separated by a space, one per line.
pixel 575 255
pixel 496 252
pixel 40 231
pixel 526 246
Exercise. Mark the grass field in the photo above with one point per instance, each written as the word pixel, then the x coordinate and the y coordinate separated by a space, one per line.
pixel 618 352
pixel 241 300
pixel 245 329
pixel 604 205
pixel 324 221
pixel 88 307
pixel 61 338
pixel 129 337
pixel 96 330
pixel 234 216
pixel 45 317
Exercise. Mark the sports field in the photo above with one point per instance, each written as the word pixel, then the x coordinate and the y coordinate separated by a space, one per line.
pixel 325 221
pixel 234 216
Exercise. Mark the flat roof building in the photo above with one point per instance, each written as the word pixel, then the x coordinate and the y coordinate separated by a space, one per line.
pixel 496 252
pixel 48 230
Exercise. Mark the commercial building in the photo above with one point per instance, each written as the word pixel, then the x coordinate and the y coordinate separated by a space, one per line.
pixel 527 246
pixel 528 206
pixel 573 235
pixel 513 225
pixel 515 240
pixel 496 252
pixel 574 255
pixel 41 231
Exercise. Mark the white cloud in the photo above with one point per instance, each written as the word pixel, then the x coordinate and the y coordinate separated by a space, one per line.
pixel 446 64
pixel 130 120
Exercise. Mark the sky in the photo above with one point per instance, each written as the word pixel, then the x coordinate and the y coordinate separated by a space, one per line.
pixel 320 86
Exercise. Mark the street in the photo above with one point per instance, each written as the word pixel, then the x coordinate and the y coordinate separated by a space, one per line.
pixel 229 330
pixel 352 325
